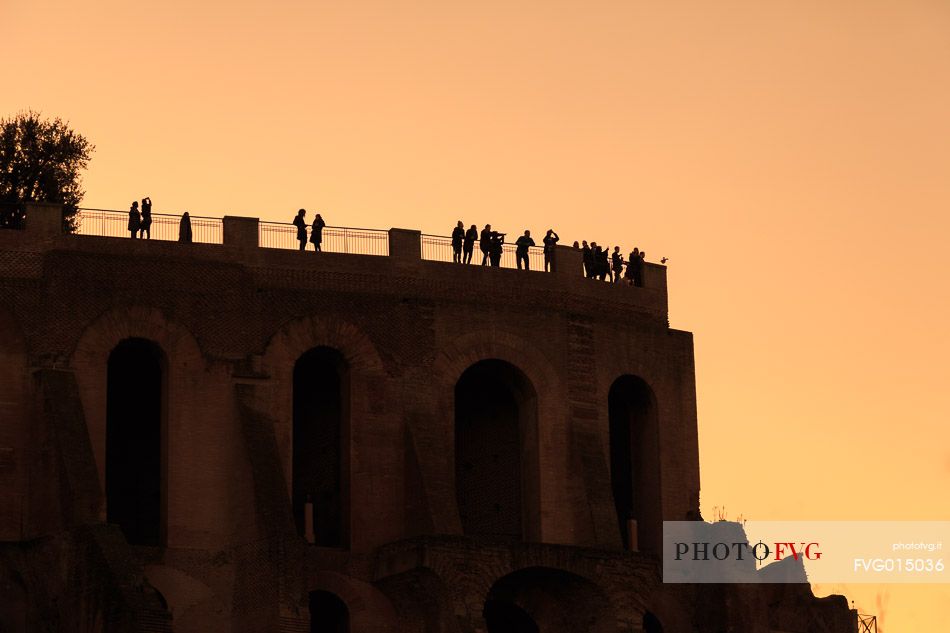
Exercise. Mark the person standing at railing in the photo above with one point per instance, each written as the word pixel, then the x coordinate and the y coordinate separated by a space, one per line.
pixel 635 267
pixel 522 244
pixel 616 260
pixel 495 247
pixel 184 229
pixel 485 243
pixel 603 264
pixel 471 236
pixel 145 228
pixel 135 220
pixel 550 241
pixel 588 256
pixel 458 234
pixel 316 232
pixel 301 225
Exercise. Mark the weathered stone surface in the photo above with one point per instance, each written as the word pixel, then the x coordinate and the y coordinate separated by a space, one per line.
pixel 231 324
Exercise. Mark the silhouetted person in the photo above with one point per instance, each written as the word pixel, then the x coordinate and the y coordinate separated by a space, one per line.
pixel 145 228
pixel 636 263
pixel 522 244
pixel 301 225
pixel 550 241
pixel 458 234
pixel 135 220
pixel 588 256
pixel 316 232
pixel 629 275
pixel 599 262
pixel 616 261
pixel 484 243
pixel 603 264
pixel 468 245
pixel 495 248
pixel 184 228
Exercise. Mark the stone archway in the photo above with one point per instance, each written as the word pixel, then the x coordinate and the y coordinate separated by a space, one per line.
pixel 450 364
pixel 375 427
pixel 495 410
pixel 184 370
pixel 536 599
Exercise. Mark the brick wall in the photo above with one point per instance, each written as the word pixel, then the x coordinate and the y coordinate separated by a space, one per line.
pixel 232 323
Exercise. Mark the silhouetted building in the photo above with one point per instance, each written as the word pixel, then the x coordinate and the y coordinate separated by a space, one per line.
pixel 257 441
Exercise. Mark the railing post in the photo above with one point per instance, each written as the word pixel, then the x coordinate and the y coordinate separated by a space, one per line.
pixel 405 244
pixel 240 232
pixel 44 218
pixel 568 261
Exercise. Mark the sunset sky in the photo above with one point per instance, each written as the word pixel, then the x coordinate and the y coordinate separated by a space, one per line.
pixel 792 159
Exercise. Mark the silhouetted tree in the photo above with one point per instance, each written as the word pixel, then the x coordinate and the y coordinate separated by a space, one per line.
pixel 41 160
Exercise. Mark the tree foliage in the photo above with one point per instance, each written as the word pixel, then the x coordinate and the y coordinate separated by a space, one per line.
pixel 41 160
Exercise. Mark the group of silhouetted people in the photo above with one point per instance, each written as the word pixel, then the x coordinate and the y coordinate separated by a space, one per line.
pixel 140 222
pixel 316 230
pixel 601 264
pixel 491 244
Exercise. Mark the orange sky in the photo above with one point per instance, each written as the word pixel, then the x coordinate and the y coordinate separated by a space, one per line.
pixel 791 158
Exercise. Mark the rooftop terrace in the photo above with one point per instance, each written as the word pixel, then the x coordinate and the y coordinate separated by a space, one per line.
pixel 396 251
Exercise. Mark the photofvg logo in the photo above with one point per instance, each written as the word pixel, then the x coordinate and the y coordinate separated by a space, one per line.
pixel 804 551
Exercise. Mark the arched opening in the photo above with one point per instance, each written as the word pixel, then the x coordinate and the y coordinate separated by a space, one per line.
pixel 328 614
pixel 321 411
pixel 543 599
pixel 135 466
pixel 634 463
pixel 651 623
pixel 495 410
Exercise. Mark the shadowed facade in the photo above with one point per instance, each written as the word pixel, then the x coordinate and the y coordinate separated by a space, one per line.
pixel 344 443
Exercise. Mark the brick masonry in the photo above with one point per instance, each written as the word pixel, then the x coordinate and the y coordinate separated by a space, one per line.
pixel 231 321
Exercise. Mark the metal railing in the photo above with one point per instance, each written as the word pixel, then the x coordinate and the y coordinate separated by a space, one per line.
pixel 110 223
pixel 438 248
pixel 336 239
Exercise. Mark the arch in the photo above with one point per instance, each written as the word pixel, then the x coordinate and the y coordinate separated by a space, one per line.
pixel 635 462
pixel 374 422
pixel 320 421
pixel 495 409
pixel 300 335
pixel 328 613
pixel 535 599
pixel 368 609
pixel 454 359
pixel 135 472
pixel 90 359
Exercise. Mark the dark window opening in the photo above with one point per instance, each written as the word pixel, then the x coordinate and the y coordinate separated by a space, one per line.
pixel 134 412
pixel 328 614
pixel 493 404
pixel 634 467
pixel 319 410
